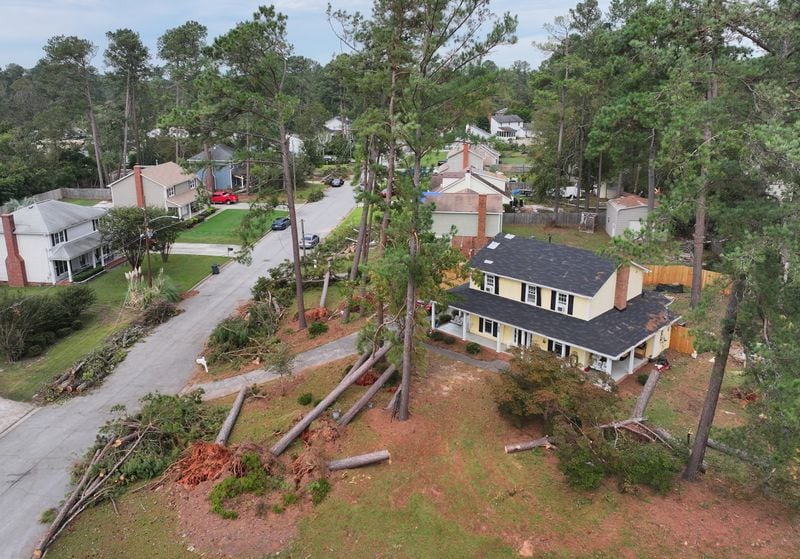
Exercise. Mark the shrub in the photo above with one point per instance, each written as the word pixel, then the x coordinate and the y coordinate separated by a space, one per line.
pixel 34 350
pixel 319 489
pixel 580 466
pixel 290 499
pixel 473 348
pixel 63 332
pixel 444 318
pixel 648 464
pixel 305 399
pixel 317 329
pixel 449 340
pixel 77 324
pixel 315 196
pixel 436 335
pixel 86 274
pixel 74 300
pixel 641 378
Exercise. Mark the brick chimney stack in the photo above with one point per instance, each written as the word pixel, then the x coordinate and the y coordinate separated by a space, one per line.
pixel 137 179
pixel 481 217
pixel 621 288
pixel 15 265
pixel 465 156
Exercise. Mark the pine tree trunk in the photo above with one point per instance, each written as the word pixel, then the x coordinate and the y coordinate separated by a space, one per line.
pixel 98 152
pixel 123 162
pixel 135 118
pixel 715 382
pixel 651 173
pixel 288 187
pixel 390 162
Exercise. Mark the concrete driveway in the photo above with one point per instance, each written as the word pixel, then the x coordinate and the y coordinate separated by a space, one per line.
pixel 36 455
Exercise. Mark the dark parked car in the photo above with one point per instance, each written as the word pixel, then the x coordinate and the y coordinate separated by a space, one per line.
pixel 310 241
pixel 281 223
pixel 336 182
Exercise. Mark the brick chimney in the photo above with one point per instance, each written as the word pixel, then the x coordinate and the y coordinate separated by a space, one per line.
pixel 465 156
pixel 15 265
pixel 481 216
pixel 621 289
pixel 137 179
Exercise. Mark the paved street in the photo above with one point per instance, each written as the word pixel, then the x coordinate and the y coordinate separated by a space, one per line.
pixel 36 455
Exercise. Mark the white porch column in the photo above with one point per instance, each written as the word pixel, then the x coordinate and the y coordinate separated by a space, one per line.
pixel 69 270
pixel 433 314
pixel 499 335
pixel 630 363
pixel 464 320
pixel 94 259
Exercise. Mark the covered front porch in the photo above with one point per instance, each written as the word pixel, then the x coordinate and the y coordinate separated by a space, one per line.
pixel 74 257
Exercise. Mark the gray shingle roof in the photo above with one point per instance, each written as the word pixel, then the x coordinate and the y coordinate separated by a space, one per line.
pixel 553 265
pixel 73 249
pixel 217 152
pixel 612 333
pixel 52 216
pixel 505 119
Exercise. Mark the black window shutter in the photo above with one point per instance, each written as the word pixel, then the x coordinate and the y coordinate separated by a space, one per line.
pixel 549 345
pixel 480 324
pixel 494 329
pixel 496 285
pixel 566 351
pixel 553 297
pixel 522 294
pixel 538 296
pixel 570 304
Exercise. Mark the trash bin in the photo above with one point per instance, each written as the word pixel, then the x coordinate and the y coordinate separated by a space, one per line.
pixel 215 269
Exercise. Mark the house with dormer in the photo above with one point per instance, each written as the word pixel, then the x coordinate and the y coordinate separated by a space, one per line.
pixel 465 155
pixel 165 186
pixel 561 299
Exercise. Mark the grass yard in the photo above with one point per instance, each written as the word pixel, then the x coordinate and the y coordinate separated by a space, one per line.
pixel 21 380
pixel 449 491
pixel 514 159
pixel 432 159
pixel 81 201
pixel 222 228
pixel 564 235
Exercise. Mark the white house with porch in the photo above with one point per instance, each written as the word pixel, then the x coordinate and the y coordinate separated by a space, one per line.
pixel 50 242
pixel 561 299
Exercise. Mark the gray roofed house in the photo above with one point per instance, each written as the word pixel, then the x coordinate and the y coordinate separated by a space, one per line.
pixel 561 299
pixel 227 173
pixel 49 242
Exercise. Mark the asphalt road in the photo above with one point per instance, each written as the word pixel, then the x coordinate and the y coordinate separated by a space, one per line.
pixel 37 454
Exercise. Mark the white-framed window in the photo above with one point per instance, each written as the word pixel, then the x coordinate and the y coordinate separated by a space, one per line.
pixel 170 191
pixel 486 326
pixel 522 338
pixel 531 294
pixel 490 283
pixel 94 224
pixel 562 302
pixel 192 184
pixel 558 349
pixel 61 267
pixel 58 238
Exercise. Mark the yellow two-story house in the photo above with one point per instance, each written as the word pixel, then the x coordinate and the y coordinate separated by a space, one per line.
pixel 565 300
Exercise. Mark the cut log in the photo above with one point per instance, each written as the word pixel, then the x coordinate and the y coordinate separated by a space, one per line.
pixel 623 423
pixel 82 386
pixel 546 442
pixel 367 396
pixel 230 421
pixel 647 393
pixel 358 461
pixel 349 379
pixel 359 362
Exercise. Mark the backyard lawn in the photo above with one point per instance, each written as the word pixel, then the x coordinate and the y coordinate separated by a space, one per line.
pixel 222 228
pixel 563 235
pixel 81 201
pixel 21 380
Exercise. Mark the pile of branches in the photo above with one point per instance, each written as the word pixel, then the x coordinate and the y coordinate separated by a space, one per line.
pixel 92 369
pixel 132 448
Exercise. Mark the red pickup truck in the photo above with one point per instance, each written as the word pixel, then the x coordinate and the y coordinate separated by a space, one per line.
pixel 224 197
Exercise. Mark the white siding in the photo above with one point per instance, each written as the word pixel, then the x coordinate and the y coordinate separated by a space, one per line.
pixel 3 254
pixel 33 249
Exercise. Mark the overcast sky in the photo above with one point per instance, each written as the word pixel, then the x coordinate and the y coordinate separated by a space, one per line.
pixel 25 25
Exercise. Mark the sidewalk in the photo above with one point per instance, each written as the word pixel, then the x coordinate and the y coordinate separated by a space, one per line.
pixel 315 357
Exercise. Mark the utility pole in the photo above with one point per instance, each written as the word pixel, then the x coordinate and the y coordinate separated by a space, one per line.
pixel 147 248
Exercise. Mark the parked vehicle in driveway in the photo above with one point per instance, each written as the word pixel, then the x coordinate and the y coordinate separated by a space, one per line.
pixel 310 241
pixel 337 182
pixel 281 223
pixel 224 197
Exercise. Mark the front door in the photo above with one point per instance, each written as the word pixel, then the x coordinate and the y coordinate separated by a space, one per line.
pixel 522 338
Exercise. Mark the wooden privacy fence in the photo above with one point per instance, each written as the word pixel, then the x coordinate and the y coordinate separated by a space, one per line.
pixel 71 193
pixel 677 274
pixel 681 340
pixel 547 218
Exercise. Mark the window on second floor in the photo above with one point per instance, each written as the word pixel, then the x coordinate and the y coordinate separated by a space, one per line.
pixel 94 224
pixel 192 184
pixel 170 191
pixel 491 284
pixel 562 302
pixel 58 238
pixel 531 294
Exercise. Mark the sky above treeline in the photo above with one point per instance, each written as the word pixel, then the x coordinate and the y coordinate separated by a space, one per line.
pixel 25 25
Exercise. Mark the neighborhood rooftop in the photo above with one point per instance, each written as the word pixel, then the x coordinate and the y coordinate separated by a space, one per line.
pixel 574 270
pixel 52 216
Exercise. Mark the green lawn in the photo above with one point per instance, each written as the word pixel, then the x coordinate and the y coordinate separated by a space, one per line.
pixel 222 228
pixel 81 201
pixel 433 158
pixel 21 380
pixel 563 235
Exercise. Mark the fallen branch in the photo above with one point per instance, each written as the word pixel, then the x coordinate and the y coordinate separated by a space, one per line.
pixel 736 453
pixel 394 398
pixel 348 380
pixel 230 421
pixel 367 396
pixel 622 423
pixel 545 442
pixel 358 461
